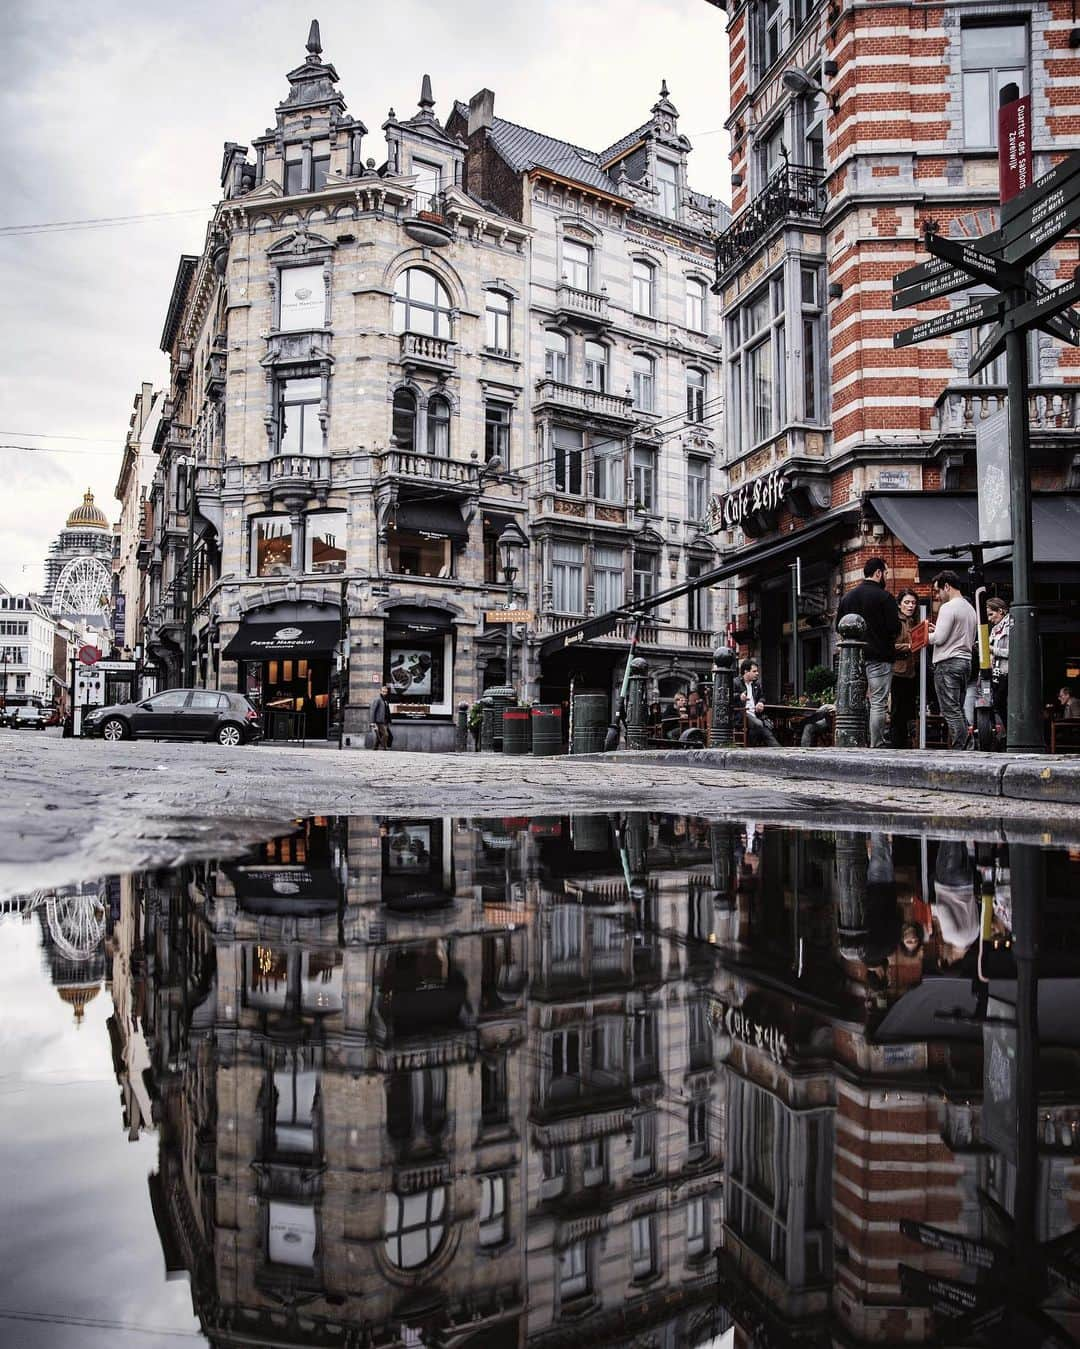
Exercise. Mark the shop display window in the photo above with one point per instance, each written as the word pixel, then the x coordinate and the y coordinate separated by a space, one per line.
pixel 326 550
pixel 271 546
pixel 419 554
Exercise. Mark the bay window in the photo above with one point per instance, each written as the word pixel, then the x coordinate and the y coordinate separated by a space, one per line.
pixel 568 446
pixel 609 581
pixel 271 546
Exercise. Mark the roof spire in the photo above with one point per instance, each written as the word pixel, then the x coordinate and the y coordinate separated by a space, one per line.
pixel 663 89
pixel 427 102
pixel 314 41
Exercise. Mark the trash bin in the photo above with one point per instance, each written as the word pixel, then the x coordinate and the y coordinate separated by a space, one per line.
pixel 546 723
pixel 591 716
pixel 515 730
pixel 495 700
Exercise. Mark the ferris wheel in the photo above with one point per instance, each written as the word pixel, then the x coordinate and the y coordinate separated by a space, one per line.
pixel 82 587
pixel 76 923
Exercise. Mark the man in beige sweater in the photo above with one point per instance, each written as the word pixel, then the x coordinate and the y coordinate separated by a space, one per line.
pixel 952 635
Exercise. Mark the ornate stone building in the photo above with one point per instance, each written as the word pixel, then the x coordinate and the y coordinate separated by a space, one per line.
pixel 346 353
pixel 79 564
pixel 133 486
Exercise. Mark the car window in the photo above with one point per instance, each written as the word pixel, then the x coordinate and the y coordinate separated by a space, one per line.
pixel 167 702
pixel 203 700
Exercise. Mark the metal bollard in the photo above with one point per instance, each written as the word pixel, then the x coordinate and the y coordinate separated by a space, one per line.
pixel 852 705
pixel 851 892
pixel 461 743
pixel 723 697
pixel 637 704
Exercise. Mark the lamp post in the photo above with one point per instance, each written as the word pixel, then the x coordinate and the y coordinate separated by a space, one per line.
pixel 512 547
pixel 187 679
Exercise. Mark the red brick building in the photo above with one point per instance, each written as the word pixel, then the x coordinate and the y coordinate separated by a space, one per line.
pixel 851 126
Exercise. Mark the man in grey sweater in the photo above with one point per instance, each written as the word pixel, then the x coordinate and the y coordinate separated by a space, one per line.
pixel 952 635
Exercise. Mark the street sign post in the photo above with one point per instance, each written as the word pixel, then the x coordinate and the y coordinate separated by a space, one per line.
pixel 509 615
pixel 1034 217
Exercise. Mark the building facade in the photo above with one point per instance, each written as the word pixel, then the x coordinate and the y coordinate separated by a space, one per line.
pixel 79 566
pixel 851 128
pixel 623 396
pixel 334 378
pixel 133 487
pixel 26 646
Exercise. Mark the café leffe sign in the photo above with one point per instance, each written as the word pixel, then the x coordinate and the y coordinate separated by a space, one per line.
pixel 728 510
pixel 741 1026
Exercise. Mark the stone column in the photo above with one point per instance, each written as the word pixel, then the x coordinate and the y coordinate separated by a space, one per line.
pixel 723 697
pixel 852 706
pixel 637 704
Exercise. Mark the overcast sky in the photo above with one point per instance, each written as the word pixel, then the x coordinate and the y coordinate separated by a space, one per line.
pixel 121 108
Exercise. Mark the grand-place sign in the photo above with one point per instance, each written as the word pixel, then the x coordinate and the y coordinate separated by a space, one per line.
pixel 728 510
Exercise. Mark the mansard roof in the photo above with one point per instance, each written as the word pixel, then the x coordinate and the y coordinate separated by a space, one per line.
pixel 624 143
pixel 524 149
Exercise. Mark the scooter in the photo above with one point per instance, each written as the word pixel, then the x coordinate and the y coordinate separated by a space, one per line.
pixel 985 719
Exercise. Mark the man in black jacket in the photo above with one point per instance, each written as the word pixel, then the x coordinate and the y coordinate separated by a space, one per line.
pixel 873 603
pixel 758 730
pixel 380 718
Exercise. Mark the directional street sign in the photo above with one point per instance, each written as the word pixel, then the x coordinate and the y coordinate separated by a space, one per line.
pixel 509 615
pixel 912 276
pixel 1050 306
pixel 1049 182
pixel 948 1297
pixel 982 311
pixel 977 1253
pixel 944 283
pixel 1043 235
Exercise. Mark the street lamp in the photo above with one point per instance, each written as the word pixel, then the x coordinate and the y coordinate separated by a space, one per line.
pixel 512 547
pixel 797 81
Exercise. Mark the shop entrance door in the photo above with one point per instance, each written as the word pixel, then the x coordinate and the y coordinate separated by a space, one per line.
pixel 300 686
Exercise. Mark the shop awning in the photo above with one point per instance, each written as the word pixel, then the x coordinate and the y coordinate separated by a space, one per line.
pixel 264 641
pixel 923 521
pixel 944 1009
pixel 436 519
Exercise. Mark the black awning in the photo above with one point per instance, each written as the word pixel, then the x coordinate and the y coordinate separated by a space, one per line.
pixel 774 549
pixel 263 641
pixel 923 521
pixel 437 519
pixel 944 1009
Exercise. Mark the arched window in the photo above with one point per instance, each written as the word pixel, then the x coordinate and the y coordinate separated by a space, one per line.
pixel 695 304
pixel 556 357
pixel 421 304
pixel 695 394
pixel 415 1226
pixel 644 382
pixel 405 419
pixel 438 427
pixel 644 287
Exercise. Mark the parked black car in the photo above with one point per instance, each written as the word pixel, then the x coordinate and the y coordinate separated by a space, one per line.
pixel 178 714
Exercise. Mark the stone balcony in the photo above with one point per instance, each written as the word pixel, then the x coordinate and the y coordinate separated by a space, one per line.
pixel 428 353
pixel 664 635
pixel 291 477
pixel 587 307
pixel 455 475
pixel 1051 407
pixel 608 406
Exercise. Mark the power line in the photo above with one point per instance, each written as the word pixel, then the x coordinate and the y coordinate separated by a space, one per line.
pixel 93 222
pixel 54 435
pixel 50 449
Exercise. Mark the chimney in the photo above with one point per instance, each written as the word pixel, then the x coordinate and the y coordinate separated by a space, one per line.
pixel 481 111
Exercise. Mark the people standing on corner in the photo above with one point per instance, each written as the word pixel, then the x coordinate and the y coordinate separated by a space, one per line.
pixel 877 608
pixel 952 635
pixel 1000 620
pixel 379 713
pixel 905 674
pixel 758 731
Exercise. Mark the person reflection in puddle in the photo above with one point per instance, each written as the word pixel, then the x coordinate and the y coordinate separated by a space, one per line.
pixel 956 905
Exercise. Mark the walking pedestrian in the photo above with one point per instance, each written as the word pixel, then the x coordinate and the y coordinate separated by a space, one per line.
pixel 379 713
pixel 952 635
pixel 877 608
pixel 997 612
pixel 905 674
pixel 758 730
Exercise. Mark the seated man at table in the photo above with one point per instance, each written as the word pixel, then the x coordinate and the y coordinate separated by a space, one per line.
pixel 816 726
pixel 758 730
pixel 1069 704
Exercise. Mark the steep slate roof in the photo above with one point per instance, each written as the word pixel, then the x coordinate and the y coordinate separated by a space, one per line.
pixel 524 149
pixel 623 143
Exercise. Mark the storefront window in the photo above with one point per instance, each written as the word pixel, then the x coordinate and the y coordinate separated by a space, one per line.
pixel 326 542
pixel 271 546
pixel 419 555
pixel 417 659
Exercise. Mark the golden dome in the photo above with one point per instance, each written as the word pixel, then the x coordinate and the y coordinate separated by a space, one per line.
pixel 78 997
pixel 88 516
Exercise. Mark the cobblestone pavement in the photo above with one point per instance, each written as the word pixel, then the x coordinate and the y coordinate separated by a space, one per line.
pixel 75 808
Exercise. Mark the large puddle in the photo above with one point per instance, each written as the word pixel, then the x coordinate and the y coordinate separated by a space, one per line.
pixel 625 1079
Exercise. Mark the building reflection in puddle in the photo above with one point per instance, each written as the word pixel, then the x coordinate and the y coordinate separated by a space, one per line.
pixel 610 1079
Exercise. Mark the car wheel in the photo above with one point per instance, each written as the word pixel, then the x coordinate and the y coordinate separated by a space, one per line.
pixel 115 729
pixel 229 735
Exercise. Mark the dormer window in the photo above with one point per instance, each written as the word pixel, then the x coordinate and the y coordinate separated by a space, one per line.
pixel 320 164
pixel 667 182
pixel 306 167
pixel 428 178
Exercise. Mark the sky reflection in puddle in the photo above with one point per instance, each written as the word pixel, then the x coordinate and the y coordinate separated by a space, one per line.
pixel 599 1079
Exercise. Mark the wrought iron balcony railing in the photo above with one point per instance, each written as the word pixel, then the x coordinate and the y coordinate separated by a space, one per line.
pixel 793 190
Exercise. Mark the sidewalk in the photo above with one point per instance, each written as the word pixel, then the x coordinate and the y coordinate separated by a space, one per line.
pixel 1053 778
